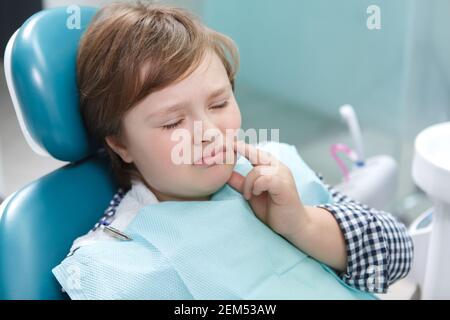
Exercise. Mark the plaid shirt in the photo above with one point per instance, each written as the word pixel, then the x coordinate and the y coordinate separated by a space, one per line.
pixel 379 249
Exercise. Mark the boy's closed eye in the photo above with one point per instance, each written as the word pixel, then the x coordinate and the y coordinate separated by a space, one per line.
pixel 175 124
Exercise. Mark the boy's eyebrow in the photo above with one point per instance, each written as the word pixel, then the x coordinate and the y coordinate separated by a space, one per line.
pixel 166 111
pixel 219 91
pixel 178 106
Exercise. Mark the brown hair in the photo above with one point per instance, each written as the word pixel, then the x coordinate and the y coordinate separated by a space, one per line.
pixel 131 50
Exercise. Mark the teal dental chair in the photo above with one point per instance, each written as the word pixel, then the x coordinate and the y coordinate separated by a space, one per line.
pixel 39 222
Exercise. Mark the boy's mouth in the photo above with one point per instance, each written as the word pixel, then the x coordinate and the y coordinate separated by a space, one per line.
pixel 217 156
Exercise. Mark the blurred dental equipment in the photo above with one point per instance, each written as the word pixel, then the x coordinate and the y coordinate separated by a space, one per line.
pixel 349 116
pixel 372 181
pixel 431 231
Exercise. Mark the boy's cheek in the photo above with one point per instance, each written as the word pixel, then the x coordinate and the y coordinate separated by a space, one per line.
pixel 231 122
pixel 236 117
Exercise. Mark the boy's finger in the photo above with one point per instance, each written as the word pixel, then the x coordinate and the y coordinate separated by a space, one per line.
pixel 251 178
pixel 262 183
pixel 254 155
pixel 237 181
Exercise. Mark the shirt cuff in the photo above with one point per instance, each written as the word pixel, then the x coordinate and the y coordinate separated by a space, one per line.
pixel 366 245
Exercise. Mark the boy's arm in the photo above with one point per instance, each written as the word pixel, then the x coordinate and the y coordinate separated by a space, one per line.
pixel 317 233
pixel 378 246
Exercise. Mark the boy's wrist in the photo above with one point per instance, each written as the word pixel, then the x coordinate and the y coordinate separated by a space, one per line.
pixel 315 232
pixel 302 225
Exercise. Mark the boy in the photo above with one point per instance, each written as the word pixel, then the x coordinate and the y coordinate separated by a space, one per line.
pixel 145 71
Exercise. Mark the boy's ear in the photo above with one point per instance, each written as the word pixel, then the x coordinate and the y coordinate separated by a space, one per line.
pixel 118 147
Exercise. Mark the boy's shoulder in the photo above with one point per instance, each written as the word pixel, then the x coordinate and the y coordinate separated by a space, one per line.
pixel 133 200
pixel 275 146
pixel 282 151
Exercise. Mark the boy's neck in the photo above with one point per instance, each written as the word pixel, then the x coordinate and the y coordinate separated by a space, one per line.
pixel 164 197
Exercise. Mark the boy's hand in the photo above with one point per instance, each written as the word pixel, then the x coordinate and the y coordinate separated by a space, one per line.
pixel 270 189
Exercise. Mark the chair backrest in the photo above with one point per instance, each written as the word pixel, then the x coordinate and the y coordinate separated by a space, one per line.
pixel 39 222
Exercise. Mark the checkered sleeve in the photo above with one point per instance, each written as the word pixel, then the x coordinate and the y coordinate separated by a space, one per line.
pixel 110 211
pixel 379 248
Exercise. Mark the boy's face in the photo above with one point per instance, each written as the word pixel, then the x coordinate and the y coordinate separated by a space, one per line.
pixel 205 101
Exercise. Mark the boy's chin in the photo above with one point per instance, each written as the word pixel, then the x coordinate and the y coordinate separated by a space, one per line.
pixel 213 178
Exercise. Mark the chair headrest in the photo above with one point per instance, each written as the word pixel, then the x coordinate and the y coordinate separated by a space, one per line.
pixel 40 67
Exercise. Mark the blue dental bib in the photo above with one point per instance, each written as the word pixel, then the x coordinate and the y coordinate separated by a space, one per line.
pixel 215 249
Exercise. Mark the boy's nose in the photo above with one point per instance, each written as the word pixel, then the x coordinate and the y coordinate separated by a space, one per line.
pixel 205 131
